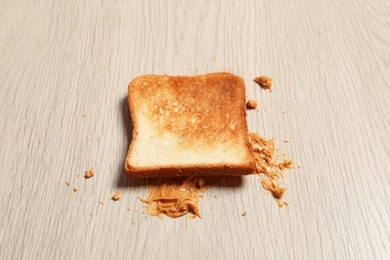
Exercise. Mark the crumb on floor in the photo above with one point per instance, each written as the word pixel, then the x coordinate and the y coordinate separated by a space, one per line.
pixel 89 173
pixel 252 104
pixel 67 183
pixel 265 82
pixel 117 196
pixel 192 217
pixel 243 214
pixel 75 189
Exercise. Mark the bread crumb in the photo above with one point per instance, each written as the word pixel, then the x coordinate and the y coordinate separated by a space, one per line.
pixel 286 140
pixel 128 209
pixel 89 173
pixel 265 82
pixel 75 189
pixel 287 164
pixel 101 203
pixel 215 196
pixel 78 175
pixel 67 183
pixel 299 166
pixel 117 196
pixel 192 217
pixel 243 214
pixel 252 104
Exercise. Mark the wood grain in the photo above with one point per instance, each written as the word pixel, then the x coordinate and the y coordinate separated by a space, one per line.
pixel 65 66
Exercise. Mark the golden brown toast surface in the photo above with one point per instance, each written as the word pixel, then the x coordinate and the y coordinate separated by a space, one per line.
pixel 188 126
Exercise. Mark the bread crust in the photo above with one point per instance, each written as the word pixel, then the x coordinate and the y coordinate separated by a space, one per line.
pixel 224 85
pixel 190 170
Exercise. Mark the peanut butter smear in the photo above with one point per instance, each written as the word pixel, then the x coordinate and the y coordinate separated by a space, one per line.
pixel 268 165
pixel 175 197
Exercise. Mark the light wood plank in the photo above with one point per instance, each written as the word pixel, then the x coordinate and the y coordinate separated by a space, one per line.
pixel 64 74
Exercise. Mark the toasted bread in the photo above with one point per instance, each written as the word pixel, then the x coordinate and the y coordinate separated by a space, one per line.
pixel 186 126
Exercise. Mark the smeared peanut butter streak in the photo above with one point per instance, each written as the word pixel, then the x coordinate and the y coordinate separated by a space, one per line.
pixel 268 165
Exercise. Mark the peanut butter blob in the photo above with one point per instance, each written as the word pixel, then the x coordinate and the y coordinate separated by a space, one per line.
pixel 175 197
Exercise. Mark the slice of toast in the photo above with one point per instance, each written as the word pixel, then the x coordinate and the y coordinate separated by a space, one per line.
pixel 186 126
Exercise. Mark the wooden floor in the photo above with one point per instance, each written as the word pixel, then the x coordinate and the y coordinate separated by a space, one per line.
pixel 64 70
